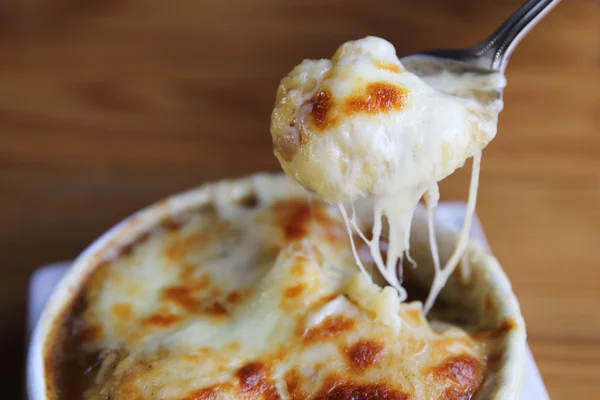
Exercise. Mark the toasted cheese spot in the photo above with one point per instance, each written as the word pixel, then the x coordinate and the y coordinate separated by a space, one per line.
pixel 178 250
pixel 463 372
pixel 293 217
pixel 296 216
pixel 254 382
pixel 293 381
pixel 322 105
pixel 252 375
pixel 123 311
pixel 388 66
pixel 365 353
pixel 162 320
pixel 209 393
pixel 238 296
pixel 377 97
pixel 181 296
pixel 297 227
pixel 234 297
pixel 329 328
pixel 340 389
pixel 217 309
pixel 294 291
pixel 188 274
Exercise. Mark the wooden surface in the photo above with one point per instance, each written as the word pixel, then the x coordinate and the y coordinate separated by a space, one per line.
pixel 107 107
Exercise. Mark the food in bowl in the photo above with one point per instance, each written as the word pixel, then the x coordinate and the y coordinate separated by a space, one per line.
pixel 248 289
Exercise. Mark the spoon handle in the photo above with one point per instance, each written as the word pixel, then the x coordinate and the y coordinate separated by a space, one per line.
pixel 498 47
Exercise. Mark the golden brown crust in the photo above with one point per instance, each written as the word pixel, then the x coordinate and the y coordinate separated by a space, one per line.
pixel 375 98
pixel 162 320
pixel 336 388
pixel 209 393
pixel 462 374
pixel 296 216
pixel 293 381
pixel 294 291
pixel 322 104
pixel 255 382
pixel 365 353
pixel 329 328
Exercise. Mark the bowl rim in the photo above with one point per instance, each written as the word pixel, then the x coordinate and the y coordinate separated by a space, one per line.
pixel 508 380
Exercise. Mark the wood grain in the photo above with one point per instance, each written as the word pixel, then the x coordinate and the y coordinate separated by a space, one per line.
pixel 107 106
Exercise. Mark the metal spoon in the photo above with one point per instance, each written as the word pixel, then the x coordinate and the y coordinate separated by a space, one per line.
pixel 489 56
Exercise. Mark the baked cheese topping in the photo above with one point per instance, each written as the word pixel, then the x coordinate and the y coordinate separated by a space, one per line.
pixel 361 125
pixel 258 299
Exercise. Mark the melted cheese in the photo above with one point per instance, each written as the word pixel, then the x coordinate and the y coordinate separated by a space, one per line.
pixel 360 125
pixel 232 302
pixel 263 300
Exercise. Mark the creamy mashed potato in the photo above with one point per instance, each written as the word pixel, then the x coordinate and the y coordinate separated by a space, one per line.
pixel 361 125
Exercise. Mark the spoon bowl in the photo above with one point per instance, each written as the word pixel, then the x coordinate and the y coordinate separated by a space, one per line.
pixel 488 57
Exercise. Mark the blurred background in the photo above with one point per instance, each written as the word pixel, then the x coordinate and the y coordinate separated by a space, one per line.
pixel 109 105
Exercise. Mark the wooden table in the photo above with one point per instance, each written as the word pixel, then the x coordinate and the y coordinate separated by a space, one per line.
pixel 107 107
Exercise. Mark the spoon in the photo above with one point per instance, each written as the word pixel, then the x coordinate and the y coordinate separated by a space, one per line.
pixel 489 56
